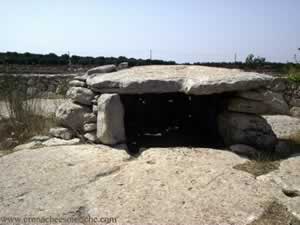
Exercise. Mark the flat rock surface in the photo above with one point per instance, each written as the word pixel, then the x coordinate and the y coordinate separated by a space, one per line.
pixel 287 178
pixel 196 80
pixel 161 186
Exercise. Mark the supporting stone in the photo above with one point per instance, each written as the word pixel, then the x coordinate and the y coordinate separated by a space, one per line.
pixel 252 130
pixel 110 121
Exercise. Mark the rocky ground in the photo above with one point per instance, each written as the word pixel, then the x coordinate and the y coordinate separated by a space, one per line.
pixel 161 186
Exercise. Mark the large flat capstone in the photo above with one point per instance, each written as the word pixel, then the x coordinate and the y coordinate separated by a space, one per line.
pixel 197 80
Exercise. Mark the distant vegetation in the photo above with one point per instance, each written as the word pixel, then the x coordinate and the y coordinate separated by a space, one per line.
pixel 53 59
pixel 259 64
pixel 252 63
pixel 13 62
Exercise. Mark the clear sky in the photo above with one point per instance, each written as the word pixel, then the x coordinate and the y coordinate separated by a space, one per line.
pixel 181 30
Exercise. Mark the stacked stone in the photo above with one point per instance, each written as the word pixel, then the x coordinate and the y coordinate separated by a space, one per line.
pixel 280 97
pixel 243 122
pixel 290 91
pixel 78 117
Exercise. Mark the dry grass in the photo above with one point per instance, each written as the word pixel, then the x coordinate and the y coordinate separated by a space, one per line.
pixel 24 116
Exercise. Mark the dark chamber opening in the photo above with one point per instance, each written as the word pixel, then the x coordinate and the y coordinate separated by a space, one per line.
pixel 170 120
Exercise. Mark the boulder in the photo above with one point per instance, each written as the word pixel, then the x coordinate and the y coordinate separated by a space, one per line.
pixel 253 130
pixel 77 83
pixel 196 80
pixel 81 95
pixel 102 69
pixel 72 115
pixel 295 111
pixel 110 120
pixel 267 102
pixel 89 127
pixel 61 132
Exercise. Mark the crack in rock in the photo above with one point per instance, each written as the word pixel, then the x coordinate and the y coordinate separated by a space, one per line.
pixel 105 173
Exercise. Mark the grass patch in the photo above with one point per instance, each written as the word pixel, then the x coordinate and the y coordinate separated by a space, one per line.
pixel 294 77
pixel 276 214
pixel 293 72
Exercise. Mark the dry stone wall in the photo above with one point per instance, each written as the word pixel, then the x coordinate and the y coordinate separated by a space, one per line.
pixel 43 85
pixel 94 117
pixel 280 97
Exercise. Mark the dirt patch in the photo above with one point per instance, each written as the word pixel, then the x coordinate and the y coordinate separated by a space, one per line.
pixel 258 168
pixel 276 214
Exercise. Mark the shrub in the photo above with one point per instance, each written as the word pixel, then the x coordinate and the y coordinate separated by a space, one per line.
pixel 293 71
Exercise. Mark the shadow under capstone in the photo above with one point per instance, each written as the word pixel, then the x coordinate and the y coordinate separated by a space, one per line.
pixel 172 120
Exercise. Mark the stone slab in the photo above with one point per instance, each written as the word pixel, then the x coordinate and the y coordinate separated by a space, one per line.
pixel 196 80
